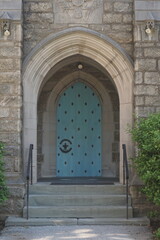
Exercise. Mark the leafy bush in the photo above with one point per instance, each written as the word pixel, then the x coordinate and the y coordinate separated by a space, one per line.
pixel 146 134
pixel 3 187
pixel 157 234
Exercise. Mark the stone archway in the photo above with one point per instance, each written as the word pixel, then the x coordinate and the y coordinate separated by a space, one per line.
pixel 64 44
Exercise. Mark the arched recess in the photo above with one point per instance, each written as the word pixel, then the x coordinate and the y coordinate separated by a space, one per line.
pixel 49 122
pixel 65 44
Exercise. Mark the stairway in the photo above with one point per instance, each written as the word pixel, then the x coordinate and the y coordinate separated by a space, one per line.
pixel 77 204
pixel 77 201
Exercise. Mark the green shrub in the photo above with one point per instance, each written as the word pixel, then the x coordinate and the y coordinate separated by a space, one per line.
pixel 157 233
pixel 146 134
pixel 154 214
pixel 3 187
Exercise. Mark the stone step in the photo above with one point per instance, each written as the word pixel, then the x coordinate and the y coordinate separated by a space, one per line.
pixel 42 188
pixel 77 200
pixel 77 211
pixel 17 221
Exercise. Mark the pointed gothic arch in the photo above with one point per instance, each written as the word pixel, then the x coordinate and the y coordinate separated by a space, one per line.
pixel 67 43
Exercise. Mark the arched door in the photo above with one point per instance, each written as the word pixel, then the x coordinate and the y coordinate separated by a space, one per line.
pixel 78 132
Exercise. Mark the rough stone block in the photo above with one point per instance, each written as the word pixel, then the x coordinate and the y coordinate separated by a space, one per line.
pixel 125 27
pixel 7 44
pixel 108 6
pixel 138 52
pixel 4 112
pixel 138 77
pixel 128 48
pixel 38 7
pixel 9 125
pixel 10 101
pixel 150 52
pixel 10 138
pixel 145 64
pixel 101 28
pixel 13 151
pixel 12 207
pixel 15 113
pixel 139 100
pixel 112 18
pixel 6 208
pixel 33 35
pixel 146 90
pixel 127 18
pixel 10 77
pixel 121 36
pixel 144 111
pixel 17 192
pixel 9 164
pixel 18 206
pixel 17 64
pixel 10 52
pixel 152 101
pixel 39 18
pixel 152 78
pixel 6 65
pixel 6 89
pixel 122 7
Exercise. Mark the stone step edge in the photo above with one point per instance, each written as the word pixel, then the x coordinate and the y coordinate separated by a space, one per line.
pixel 78 195
pixel 78 207
pixel 18 221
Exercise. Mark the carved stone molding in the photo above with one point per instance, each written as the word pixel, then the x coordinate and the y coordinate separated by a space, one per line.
pixel 78 11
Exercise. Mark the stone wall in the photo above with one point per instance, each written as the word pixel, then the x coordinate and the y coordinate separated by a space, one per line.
pixel 41 18
pixel 147 58
pixel 11 103
pixel 147 78
pixel 111 17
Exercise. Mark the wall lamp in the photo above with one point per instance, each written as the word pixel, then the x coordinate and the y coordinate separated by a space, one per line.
pixel 5 27
pixel 150 26
pixel 80 66
pixel 5 24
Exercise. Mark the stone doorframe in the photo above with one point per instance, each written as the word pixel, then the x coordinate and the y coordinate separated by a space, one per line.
pixel 59 46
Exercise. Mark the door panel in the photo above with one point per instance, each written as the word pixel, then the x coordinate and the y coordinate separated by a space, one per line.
pixel 78 132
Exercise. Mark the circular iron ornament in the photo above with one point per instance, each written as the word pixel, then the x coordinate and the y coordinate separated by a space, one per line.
pixel 65 146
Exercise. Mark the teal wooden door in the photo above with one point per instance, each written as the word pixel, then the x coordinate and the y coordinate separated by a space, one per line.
pixel 78 132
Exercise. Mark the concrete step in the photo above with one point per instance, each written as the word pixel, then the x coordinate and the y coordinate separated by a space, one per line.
pixel 77 200
pixel 16 221
pixel 77 211
pixel 42 188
